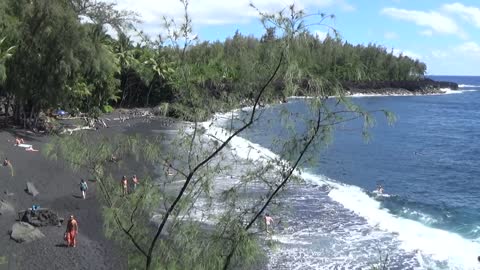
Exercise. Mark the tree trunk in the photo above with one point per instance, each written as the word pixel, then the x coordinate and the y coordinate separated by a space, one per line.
pixel 30 119
pixel 7 108
pixel 148 94
pixel 125 90
pixel 24 113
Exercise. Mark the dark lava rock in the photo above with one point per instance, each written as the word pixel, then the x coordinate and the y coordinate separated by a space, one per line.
pixel 40 217
pixel 423 86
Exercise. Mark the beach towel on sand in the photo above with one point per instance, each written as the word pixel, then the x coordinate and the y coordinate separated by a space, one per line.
pixel 25 145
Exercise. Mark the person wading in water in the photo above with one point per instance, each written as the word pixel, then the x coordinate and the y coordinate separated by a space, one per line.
pixel 135 181
pixel 124 184
pixel 268 222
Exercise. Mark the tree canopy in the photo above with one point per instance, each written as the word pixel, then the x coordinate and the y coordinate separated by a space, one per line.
pixel 65 57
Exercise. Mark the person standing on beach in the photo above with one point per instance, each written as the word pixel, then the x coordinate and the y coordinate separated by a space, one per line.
pixel 124 184
pixel 83 188
pixel 168 167
pixel 72 231
pixel 135 181
pixel 6 162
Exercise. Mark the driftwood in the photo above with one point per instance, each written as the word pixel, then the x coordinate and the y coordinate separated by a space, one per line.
pixel 71 130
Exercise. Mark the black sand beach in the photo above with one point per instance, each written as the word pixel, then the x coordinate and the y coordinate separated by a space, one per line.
pixel 58 188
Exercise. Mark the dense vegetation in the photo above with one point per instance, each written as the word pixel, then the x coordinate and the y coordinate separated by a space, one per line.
pixel 59 54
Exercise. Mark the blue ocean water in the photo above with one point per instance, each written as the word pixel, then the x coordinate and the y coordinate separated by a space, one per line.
pixel 428 162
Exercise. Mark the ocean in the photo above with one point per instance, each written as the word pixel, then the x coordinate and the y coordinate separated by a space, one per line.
pixel 428 163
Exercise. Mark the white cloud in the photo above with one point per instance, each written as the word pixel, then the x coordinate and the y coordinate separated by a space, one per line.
pixel 433 20
pixel 469 48
pixel 410 54
pixel 465 51
pixel 427 33
pixel 390 35
pixel 439 54
pixel 468 13
pixel 345 6
pixel 211 12
pixel 320 34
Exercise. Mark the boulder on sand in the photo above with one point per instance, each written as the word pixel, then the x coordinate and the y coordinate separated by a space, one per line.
pixel 5 208
pixel 40 217
pixel 24 232
pixel 31 189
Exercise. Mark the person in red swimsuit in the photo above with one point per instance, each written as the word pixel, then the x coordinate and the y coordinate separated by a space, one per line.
pixel 72 231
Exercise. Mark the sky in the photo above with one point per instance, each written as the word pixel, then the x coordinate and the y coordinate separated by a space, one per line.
pixel 443 34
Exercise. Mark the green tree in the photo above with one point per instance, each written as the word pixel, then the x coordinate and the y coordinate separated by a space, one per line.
pixel 5 54
pixel 44 62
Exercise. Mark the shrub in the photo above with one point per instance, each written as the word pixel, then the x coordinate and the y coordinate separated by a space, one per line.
pixel 107 109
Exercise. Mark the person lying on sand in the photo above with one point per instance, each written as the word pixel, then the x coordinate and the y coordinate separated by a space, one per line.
pixel 30 149
pixel 19 141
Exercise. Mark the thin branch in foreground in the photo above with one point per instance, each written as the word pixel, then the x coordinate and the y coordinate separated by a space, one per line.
pixel 206 160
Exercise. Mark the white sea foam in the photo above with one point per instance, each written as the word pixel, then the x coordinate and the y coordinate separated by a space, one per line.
pixel 448 91
pixel 425 218
pixel 458 252
pixel 439 245
pixel 467 85
pixel 289 239
pixel 444 91
pixel 378 95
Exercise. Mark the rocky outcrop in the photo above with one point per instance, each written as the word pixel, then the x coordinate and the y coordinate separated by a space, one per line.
pixel 40 217
pixel 31 189
pixel 24 232
pixel 420 87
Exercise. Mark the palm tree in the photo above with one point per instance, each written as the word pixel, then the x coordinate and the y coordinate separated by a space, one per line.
pixel 4 55
pixel 124 51
pixel 160 69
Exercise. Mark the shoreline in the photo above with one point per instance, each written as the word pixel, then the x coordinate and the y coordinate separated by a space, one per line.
pixel 443 91
pixel 379 218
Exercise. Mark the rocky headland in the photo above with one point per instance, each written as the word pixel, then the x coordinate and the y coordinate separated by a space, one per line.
pixel 420 87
